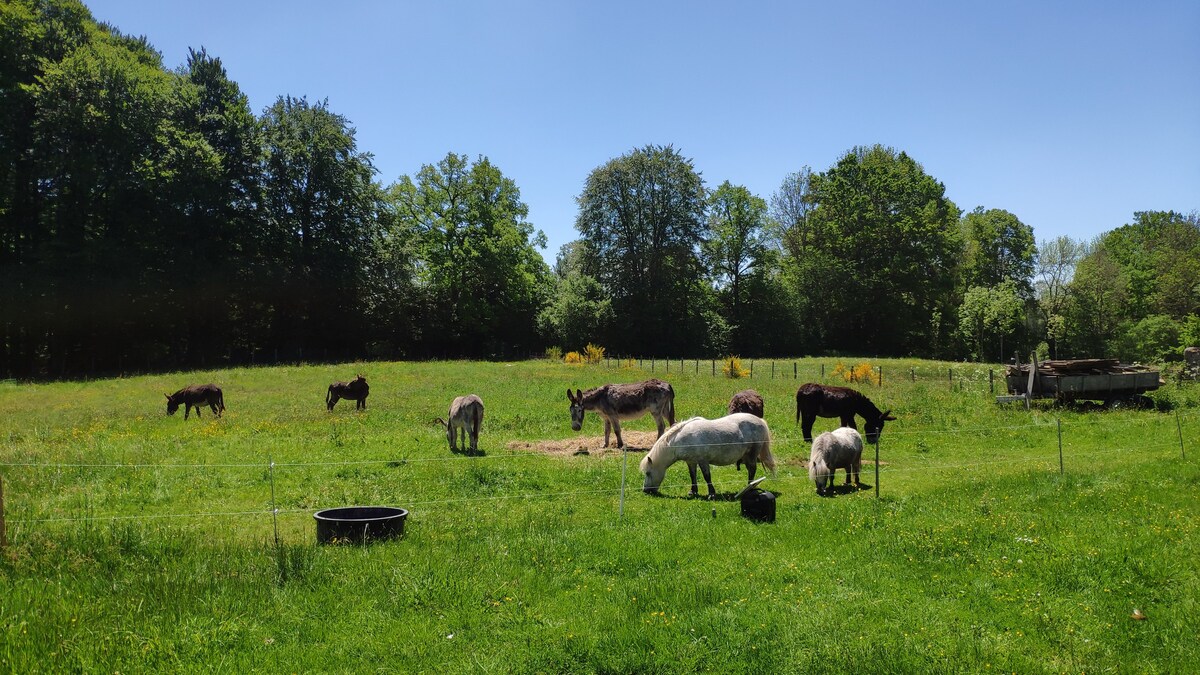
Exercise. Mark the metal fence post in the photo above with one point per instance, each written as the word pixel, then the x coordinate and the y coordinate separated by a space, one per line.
pixel 878 439
pixel 1178 428
pixel 1060 455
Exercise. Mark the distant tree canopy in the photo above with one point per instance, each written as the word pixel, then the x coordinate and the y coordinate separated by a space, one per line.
pixel 150 220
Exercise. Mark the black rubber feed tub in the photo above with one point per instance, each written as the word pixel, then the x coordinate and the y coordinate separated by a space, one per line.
pixel 356 524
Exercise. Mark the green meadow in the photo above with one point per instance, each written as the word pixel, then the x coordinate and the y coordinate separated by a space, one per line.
pixel 141 542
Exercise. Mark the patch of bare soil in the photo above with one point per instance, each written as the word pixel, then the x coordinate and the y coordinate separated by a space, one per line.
pixel 635 441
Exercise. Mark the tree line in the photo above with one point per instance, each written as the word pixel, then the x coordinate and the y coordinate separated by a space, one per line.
pixel 150 220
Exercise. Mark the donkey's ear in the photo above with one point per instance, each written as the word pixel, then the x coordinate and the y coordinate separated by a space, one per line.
pixel 168 396
pixel 578 395
pixel 570 396
pixel 887 417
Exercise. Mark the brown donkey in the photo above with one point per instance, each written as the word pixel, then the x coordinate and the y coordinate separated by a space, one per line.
pixel 616 402
pixel 196 395
pixel 355 390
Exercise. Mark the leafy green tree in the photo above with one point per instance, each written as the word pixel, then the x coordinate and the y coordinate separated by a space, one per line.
pixel 641 217
pixel 991 311
pixel 738 247
pixel 882 276
pixel 1097 304
pixel 790 208
pixel 997 247
pixel 479 266
pixel 324 209
pixel 1053 271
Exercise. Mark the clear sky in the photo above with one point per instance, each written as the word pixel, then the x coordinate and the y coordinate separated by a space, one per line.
pixel 1071 115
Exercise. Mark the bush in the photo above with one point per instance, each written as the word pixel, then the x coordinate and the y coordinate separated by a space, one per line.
pixel 573 357
pixel 554 353
pixel 732 367
pixel 593 353
pixel 863 372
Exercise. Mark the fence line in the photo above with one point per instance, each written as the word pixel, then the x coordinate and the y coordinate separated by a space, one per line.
pixel 609 490
pixel 509 454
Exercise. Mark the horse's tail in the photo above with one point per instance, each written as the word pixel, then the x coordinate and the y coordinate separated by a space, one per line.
pixel 765 456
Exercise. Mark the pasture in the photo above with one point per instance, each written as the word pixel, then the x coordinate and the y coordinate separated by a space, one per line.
pixel 143 542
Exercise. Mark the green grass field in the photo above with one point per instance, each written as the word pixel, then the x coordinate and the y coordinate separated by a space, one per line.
pixel 143 542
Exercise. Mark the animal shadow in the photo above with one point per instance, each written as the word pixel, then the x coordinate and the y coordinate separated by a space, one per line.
pixel 844 489
pixel 467 452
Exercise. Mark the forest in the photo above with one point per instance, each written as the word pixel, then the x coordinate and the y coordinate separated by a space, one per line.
pixel 151 221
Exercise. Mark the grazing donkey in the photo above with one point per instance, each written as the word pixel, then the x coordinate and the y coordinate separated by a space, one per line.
pixel 196 395
pixel 838 449
pixel 616 402
pixel 813 400
pixel 466 414
pixel 355 390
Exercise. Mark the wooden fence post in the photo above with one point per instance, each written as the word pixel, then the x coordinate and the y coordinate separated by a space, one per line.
pixel 794 373
pixel 991 381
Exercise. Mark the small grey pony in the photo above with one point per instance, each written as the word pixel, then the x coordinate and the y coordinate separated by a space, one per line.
pixel 841 448
pixel 466 415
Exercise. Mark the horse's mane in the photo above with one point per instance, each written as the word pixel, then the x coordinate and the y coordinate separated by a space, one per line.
pixel 665 440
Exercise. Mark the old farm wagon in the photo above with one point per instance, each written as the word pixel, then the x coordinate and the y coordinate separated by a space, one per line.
pixel 1104 380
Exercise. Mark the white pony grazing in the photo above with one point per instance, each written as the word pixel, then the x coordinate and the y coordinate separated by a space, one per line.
pixel 838 449
pixel 701 442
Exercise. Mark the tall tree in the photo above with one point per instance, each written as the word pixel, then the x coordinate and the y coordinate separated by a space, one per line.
pixel 738 247
pixel 791 206
pixel 997 247
pixel 324 207
pixel 641 217
pixel 1054 269
pixel 479 264
pixel 884 272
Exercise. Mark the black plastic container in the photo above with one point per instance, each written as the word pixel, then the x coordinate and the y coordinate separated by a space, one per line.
pixel 758 505
pixel 356 524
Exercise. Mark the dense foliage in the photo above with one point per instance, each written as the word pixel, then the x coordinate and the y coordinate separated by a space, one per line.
pixel 150 220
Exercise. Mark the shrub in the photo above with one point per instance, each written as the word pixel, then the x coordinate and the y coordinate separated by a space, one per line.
pixel 732 367
pixel 593 353
pixel 554 353
pixel 863 372
pixel 573 357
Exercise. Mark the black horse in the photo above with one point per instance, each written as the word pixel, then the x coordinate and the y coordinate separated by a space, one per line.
pixel 813 400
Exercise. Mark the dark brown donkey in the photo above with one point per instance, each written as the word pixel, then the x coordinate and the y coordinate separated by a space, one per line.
pixel 616 402
pixel 747 401
pixel 355 390
pixel 196 395
pixel 814 400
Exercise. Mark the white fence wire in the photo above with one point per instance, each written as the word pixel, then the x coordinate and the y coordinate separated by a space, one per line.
pixel 609 486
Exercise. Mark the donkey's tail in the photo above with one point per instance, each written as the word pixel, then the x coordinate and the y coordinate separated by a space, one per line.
pixel 221 400
pixel 671 404
pixel 328 394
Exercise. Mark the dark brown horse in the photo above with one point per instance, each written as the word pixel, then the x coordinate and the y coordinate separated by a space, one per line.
pixel 813 400
pixel 616 402
pixel 747 401
pixel 355 390
pixel 196 395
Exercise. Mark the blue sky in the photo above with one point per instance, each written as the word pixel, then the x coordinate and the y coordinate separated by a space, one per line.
pixel 1071 115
